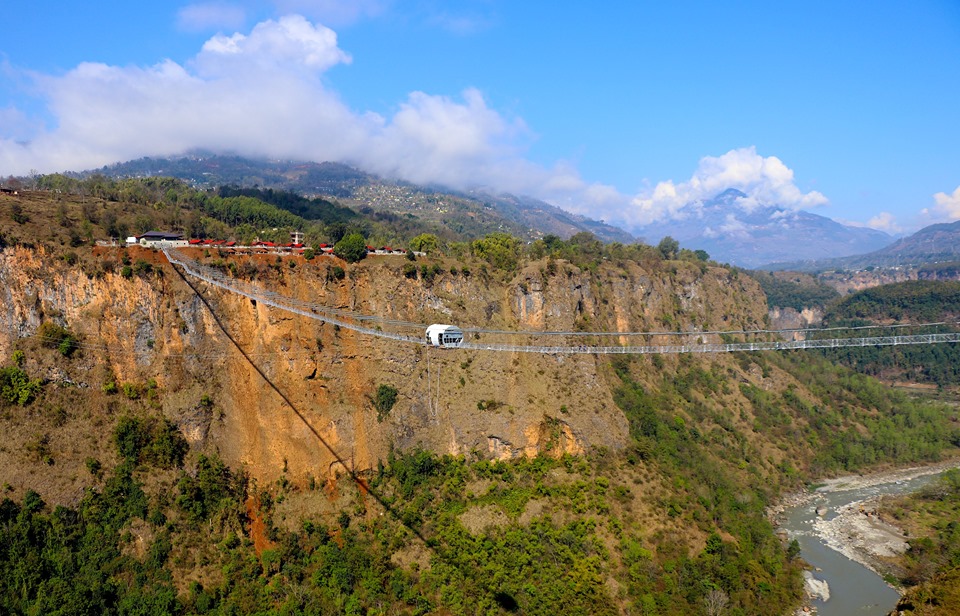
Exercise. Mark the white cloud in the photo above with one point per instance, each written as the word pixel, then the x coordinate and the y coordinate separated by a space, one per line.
pixel 263 94
pixel 884 221
pixel 210 16
pixel 287 43
pixel 765 180
pixel 15 125
pixel 947 208
pixel 732 227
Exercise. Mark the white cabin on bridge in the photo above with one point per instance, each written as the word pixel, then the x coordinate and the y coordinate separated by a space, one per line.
pixel 444 335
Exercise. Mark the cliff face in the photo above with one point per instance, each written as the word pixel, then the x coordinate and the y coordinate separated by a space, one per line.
pixel 791 318
pixel 490 404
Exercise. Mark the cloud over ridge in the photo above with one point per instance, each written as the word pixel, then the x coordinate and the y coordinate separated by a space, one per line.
pixel 263 93
pixel 765 180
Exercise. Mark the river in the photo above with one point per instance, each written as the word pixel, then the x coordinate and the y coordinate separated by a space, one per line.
pixel 847 586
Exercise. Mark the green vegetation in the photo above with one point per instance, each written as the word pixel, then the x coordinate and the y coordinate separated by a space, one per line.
pixel 213 489
pixel 500 250
pixel 351 248
pixel 915 301
pixel 384 400
pixel 668 247
pixel 153 441
pixel 909 302
pixel 54 336
pixel 16 387
pixel 425 242
pixel 76 561
pixel 932 562
pixel 855 421
pixel 935 546
pixel 791 290
pixel 317 209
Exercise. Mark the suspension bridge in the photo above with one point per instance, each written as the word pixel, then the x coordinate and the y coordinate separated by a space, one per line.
pixel 677 342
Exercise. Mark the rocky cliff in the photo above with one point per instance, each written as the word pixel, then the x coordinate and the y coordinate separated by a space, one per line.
pixel 150 324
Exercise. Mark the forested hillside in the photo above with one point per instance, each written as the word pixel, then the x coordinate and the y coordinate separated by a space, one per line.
pixel 793 290
pixel 173 449
pixel 452 214
pixel 932 564
pixel 913 302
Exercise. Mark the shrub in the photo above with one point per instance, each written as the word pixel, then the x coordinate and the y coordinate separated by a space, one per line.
pixel 214 488
pixel 16 213
pixel 142 267
pixel 425 242
pixel 94 466
pixel 668 247
pixel 131 390
pixel 153 440
pixel 53 336
pixel 409 270
pixel 384 400
pixel 16 387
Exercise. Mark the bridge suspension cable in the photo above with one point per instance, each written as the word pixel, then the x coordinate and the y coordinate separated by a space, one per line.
pixel 361 323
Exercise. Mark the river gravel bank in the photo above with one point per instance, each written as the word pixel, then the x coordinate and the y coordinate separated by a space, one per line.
pixel 853 529
pixel 855 482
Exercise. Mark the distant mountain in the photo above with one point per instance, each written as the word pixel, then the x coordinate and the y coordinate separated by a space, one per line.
pixel 735 229
pixel 938 243
pixel 463 214
pixel 211 171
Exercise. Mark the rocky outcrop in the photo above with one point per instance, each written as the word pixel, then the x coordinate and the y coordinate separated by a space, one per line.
pixel 298 398
pixel 791 318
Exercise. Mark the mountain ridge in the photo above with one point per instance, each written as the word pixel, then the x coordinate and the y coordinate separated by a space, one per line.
pixel 733 227
pixel 465 213
pixel 936 243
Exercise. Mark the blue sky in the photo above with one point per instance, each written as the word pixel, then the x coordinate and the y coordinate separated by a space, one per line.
pixel 622 111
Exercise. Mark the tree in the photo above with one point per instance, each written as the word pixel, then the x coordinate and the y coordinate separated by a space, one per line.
pixel 668 247
pixel 500 250
pixel 351 248
pixel 425 242
pixel 715 601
